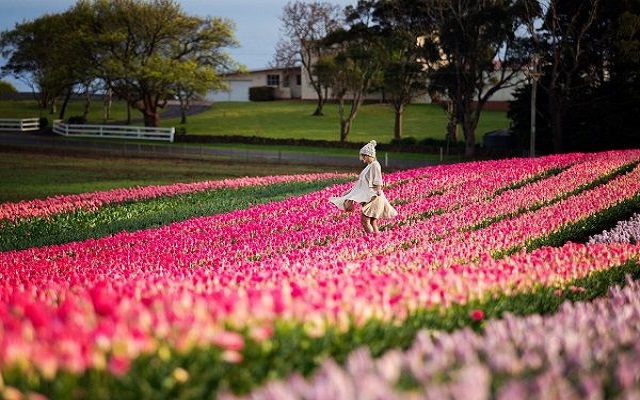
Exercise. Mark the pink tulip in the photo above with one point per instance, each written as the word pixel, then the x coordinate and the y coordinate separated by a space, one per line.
pixel 301 261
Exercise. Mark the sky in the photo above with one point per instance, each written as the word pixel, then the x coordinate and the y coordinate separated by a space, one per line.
pixel 257 22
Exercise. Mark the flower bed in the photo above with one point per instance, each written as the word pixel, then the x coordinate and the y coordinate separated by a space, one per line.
pixel 93 201
pixel 234 290
pixel 131 216
pixel 585 350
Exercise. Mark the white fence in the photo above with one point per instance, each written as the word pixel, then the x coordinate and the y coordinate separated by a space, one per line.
pixel 22 125
pixel 114 131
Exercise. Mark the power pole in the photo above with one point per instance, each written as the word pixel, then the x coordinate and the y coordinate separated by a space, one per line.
pixel 534 75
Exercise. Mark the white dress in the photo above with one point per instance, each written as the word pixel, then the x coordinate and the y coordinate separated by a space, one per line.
pixel 362 192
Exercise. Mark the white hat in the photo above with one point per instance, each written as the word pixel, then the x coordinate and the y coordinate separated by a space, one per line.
pixel 369 149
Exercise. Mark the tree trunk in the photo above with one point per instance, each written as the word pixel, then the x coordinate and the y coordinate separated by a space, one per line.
pixel 87 103
pixel 345 127
pixel 151 118
pixel 468 128
pixel 43 100
pixel 150 112
pixel 556 124
pixel 319 105
pixel 470 145
pixel 452 122
pixel 184 107
pixel 53 106
pixel 397 126
pixel 107 106
pixel 63 108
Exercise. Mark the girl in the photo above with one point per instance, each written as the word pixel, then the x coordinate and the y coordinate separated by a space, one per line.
pixel 367 192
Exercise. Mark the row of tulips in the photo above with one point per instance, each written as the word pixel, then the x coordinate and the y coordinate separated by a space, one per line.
pixel 93 201
pixel 453 224
pixel 584 351
pixel 624 231
pixel 278 214
pixel 516 357
pixel 132 216
pixel 439 236
pixel 198 283
pixel 287 222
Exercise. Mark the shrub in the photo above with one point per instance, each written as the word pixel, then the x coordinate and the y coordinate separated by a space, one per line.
pixel 261 93
pixel 410 140
pixel 77 119
pixel 6 87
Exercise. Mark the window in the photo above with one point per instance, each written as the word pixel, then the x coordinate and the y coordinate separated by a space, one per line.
pixel 298 79
pixel 273 80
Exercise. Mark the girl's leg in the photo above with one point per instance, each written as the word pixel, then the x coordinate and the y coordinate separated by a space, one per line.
pixel 366 223
pixel 374 225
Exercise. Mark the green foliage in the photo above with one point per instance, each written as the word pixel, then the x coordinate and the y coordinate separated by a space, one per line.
pixel 6 87
pixel 181 53
pixel 409 140
pixel 173 52
pixel 51 52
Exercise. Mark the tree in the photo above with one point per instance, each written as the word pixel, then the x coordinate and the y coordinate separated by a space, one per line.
pixel 146 49
pixel 303 26
pixel 402 25
pixel 6 87
pixel 355 66
pixel 193 80
pixel 49 54
pixel 481 54
pixel 564 47
pixel 599 101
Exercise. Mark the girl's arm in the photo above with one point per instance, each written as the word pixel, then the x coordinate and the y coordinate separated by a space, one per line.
pixel 376 179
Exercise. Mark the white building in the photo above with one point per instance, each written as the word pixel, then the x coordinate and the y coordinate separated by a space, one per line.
pixel 293 83
pixel 287 83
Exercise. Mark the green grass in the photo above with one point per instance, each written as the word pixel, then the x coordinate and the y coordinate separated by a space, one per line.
pixel 293 119
pixel 282 119
pixel 28 175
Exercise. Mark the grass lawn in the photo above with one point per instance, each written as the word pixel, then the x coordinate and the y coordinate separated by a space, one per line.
pixel 28 175
pixel 293 119
pixel 29 109
pixel 281 119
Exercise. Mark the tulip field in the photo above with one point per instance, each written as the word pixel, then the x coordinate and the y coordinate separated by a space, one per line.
pixel 499 279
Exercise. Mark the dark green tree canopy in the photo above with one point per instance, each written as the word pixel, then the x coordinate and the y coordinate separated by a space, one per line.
pixel 145 51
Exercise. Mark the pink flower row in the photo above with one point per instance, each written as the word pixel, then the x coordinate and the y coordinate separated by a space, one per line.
pixel 93 201
pixel 441 235
pixel 101 303
pixel 581 352
pixel 246 234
